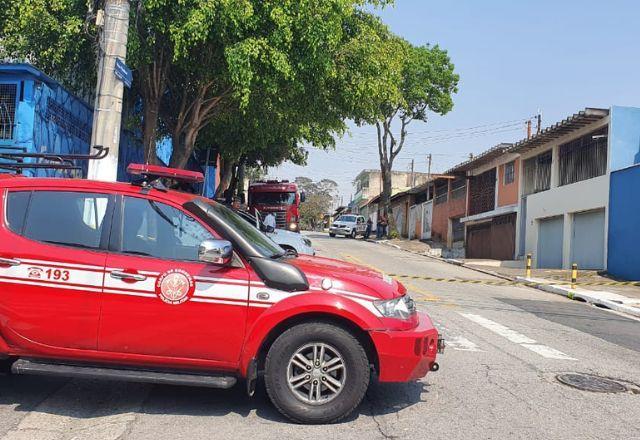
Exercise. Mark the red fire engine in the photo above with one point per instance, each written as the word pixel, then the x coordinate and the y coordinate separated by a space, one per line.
pixel 280 198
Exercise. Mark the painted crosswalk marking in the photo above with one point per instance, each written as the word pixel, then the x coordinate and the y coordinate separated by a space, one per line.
pixel 517 338
pixel 461 343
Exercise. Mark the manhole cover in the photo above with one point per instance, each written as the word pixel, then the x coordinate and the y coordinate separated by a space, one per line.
pixel 587 382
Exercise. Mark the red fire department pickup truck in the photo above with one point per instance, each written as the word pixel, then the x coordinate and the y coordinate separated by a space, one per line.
pixel 138 283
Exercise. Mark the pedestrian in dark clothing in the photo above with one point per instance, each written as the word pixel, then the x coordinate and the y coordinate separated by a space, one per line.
pixel 367 232
pixel 383 225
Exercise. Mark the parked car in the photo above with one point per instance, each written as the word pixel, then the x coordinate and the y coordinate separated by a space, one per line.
pixel 135 282
pixel 288 240
pixel 348 225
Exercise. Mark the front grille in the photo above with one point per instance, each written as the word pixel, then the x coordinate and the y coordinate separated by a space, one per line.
pixel 281 220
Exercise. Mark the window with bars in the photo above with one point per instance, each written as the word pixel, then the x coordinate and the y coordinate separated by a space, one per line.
pixel 459 188
pixel 537 173
pixel 583 158
pixel 509 173
pixel 442 190
pixel 8 94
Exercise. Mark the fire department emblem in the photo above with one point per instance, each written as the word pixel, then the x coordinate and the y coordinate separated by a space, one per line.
pixel 175 286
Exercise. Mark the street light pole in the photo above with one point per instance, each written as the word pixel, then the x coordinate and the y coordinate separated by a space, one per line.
pixel 107 112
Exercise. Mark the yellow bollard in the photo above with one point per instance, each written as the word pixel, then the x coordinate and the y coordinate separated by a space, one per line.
pixel 528 265
pixel 574 275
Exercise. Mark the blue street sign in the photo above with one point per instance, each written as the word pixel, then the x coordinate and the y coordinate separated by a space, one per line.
pixel 123 73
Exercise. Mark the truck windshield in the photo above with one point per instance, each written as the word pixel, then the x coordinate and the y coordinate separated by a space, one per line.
pixel 249 232
pixel 347 218
pixel 273 198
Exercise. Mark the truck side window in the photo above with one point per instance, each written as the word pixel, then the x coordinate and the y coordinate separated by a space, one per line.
pixel 17 202
pixel 157 230
pixel 66 218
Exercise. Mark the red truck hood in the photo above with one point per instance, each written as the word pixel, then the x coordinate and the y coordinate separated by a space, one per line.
pixel 348 277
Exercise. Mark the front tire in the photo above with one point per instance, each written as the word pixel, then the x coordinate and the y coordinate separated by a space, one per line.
pixel 353 234
pixel 316 373
pixel 332 235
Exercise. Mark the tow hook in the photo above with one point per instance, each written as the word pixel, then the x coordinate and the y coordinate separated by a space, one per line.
pixel 435 367
pixel 441 344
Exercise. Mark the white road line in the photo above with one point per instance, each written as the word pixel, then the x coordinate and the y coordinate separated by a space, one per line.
pixel 461 343
pixel 518 338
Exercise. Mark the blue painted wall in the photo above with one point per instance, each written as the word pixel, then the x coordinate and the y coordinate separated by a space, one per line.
pixel 624 137
pixel 48 118
pixel 624 224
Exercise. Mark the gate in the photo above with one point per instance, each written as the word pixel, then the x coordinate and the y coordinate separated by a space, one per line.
pixel 587 242
pixel 427 214
pixel 550 234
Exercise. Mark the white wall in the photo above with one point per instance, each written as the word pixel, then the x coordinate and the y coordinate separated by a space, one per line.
pixel 565 200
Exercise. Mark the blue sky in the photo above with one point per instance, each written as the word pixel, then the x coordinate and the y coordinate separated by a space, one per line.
pixel 514 58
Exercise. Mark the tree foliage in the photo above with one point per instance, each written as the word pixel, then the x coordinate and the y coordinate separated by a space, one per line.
pixel 421 80
pixel 320 197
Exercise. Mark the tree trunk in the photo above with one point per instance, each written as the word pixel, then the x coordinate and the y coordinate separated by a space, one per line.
pixel 150 131
pixel 182 151
pixel 226 172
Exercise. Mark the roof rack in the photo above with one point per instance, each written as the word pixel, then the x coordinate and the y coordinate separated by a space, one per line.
pixel 53 161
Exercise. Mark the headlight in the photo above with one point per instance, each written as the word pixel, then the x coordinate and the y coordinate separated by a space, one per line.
pixel 307 242
pixel 293 226
pixel 400 308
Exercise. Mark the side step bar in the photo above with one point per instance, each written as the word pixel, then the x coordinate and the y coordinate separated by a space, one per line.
pixel 41 368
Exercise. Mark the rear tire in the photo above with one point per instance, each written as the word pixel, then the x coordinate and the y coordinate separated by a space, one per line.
pixel 292 390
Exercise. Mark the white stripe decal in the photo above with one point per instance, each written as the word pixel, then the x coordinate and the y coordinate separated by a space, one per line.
pixel 62 285
pixel 131 293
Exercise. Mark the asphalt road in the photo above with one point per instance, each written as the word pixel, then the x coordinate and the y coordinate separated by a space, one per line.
pixel 497 379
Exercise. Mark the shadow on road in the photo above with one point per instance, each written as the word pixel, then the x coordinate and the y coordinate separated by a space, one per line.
pixel 28 393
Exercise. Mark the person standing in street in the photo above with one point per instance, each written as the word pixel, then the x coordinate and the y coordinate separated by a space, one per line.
pixel 383 226
pixel 367 232
pixel 270 222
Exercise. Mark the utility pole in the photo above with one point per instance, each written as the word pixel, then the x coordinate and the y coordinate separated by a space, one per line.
pixel 413 180
pixel 107 112
pixel 429 158
pixel 529 129
pixel 539 123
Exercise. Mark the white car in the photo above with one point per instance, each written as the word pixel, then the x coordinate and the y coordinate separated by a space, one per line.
pixel 287 240
pixel 349 225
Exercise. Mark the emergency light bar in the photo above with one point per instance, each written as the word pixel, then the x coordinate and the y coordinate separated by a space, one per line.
pixel 154 172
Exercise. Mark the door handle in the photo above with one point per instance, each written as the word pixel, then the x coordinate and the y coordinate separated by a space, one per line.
pixel 9 262
pixel 120 275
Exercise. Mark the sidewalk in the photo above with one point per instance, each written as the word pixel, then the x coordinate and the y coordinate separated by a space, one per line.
pixel 622 298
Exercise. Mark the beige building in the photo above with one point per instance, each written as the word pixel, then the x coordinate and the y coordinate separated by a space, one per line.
pixel 368 184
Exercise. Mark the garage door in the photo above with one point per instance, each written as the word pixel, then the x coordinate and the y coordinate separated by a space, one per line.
pixel 550 234
pixel 503 237
pixel 479 241
pixel 587 244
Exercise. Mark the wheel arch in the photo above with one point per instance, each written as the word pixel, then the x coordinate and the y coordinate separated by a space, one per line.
pixel 360 334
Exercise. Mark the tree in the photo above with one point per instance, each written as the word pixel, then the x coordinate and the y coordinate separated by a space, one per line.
pixel 319 200
pixel 424 82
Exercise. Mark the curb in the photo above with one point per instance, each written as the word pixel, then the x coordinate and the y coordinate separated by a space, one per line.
pixel 590 297
pixel 586 296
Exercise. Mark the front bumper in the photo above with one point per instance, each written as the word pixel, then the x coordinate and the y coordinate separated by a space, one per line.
pixel 406 355
pixel 339 231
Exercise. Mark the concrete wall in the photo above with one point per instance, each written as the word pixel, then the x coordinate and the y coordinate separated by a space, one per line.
pixel 624 219
pixel 624 138
pixel 565 201
pixel 508 193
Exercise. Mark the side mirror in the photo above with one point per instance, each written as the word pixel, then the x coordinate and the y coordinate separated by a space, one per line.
pixel 303 196
pixel 218 252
